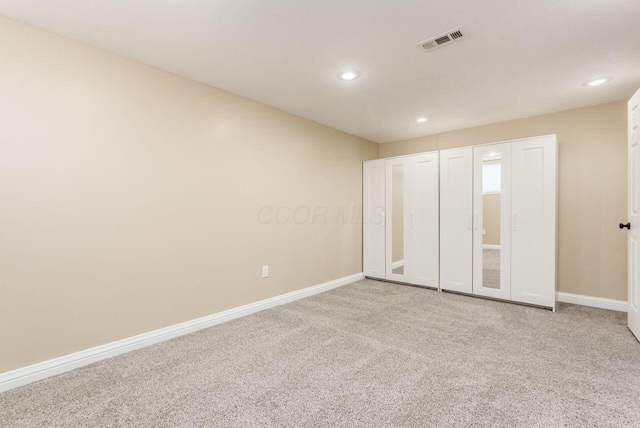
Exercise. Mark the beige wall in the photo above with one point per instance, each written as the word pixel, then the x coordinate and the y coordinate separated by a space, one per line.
pixel 592 188
pixel 491 218
pixel 131 198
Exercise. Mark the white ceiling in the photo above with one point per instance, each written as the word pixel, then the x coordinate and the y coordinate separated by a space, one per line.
pixel 522 57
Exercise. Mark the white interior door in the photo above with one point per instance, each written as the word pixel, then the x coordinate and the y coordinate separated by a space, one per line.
pixel 533 221
pixel 398 219
pixel 373 182
pixel 456 203
pixel 424 219
pixel 492 221
pixel 634 218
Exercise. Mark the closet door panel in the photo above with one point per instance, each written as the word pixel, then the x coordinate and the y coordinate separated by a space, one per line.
pixel 533 221
pixel 456 200
pixel 424 219
pixel 374 218
pixel 492 221
pixel 398 220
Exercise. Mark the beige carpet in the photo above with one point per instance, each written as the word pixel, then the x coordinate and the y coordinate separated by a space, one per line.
pixel 367 354
pixel 491 268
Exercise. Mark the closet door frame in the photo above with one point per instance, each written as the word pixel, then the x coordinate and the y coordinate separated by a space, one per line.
pixel 424 203
pixel 373 212
pixel 633 214
pixel 406 277
pixel 456 255
pixel 504 292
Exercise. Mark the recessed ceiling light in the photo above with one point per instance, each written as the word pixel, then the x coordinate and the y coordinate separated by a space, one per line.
pixel 349 75
pixel 421 120
pixel 492 154
pixel 597 82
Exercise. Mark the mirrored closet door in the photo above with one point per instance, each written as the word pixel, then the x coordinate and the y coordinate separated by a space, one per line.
pixel 492 221
pixel 398 219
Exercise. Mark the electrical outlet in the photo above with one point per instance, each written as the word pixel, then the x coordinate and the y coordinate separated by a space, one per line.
pixel 265 271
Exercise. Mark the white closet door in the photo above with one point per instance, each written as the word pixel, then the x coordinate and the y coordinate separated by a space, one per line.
pixel 424 219
pixel 398 265
pixel 633 314
pixel 533 221
pixel 373 180
pixel 492 221
pixel 456 199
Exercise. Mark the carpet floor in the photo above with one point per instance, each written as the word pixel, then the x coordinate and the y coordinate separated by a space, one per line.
pixel 491 268
pixel 366 354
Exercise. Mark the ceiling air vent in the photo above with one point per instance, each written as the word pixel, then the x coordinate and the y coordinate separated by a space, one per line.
pixel 444 38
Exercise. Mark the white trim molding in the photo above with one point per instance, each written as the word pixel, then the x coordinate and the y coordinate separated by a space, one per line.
pixel 490 247
pixel 396 265
pixel 594 302
pixel 38 371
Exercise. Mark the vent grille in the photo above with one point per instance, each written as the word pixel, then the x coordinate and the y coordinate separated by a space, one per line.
pixel 429 45
pixel 444 38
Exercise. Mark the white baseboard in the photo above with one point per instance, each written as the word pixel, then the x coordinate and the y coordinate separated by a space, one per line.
pixel 490 246
pixel 396 265
pixel 35 372
pixel 594 302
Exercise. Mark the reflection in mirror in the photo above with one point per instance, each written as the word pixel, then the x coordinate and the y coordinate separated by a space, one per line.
pixel 397 231
pixel 491 192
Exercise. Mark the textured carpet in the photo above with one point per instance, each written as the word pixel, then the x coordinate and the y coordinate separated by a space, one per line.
pixel 491 268
pixel 366 354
